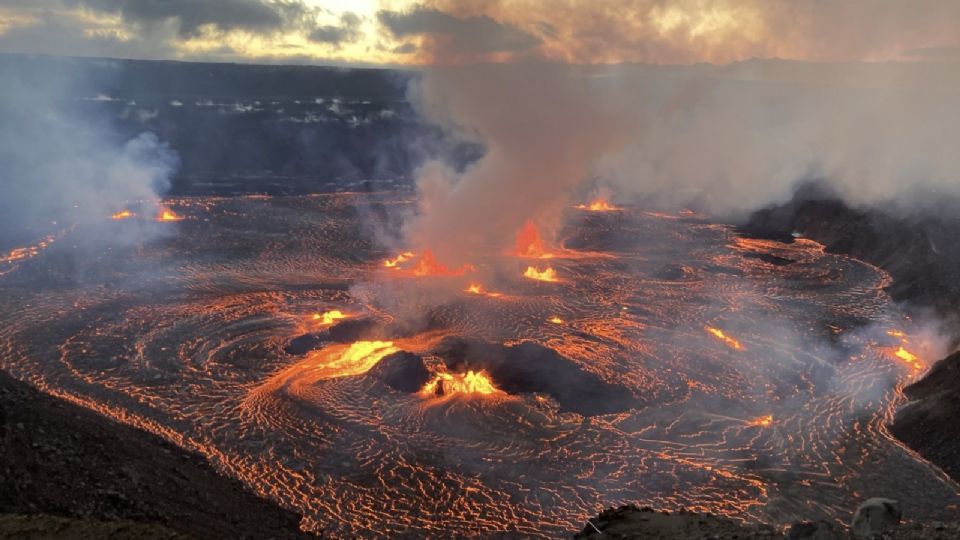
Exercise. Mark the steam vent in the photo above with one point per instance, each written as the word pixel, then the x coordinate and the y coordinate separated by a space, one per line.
pixel 652 269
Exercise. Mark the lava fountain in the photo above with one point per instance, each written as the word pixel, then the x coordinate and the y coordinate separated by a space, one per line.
pixel 598 205
pixel 548 274
pixel 168 215
pixel 469 383
pixel 529 244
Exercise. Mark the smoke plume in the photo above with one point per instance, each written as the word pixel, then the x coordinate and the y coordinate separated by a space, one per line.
pixel 61 166
pixel 724 139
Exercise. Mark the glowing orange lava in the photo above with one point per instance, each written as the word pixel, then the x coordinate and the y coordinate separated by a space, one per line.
pixel 598 205
pixel 399 259
pixel 354 359
pixel 168 215
pixel 469 383
pixel 476 288
pixel 529 243
pixel 555 320
pixel 549 274
pixel 429 266
pixel 123 214
pixel 328 317
pixel 908 357
pixel 729 341
pixel 762 421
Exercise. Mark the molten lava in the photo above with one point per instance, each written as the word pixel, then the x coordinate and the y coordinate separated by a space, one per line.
pixel 908 357
pixel 549 274
pixel 328 317
pixel 168 215
pixel 399 259
pixel 123 214
pixel 429 266
pixel 555 320
pixel 529 243
pixel 762 421
pixel 469 383
pixel 476 288
pixel 598 205
pixel 354 359
pixel 729 341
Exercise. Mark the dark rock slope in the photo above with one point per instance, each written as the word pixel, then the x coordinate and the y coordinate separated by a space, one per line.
pixel 930 424
pixel 67 472
pixel 631 522
pixel 919 250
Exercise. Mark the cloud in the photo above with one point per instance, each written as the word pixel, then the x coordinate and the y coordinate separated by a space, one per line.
pixel 61 33
pixel 720 31
pixel 476 35
pixel 406 48
pixel 192 15
pixel 348 31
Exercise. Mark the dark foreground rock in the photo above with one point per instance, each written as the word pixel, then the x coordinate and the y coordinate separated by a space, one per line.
pixel 634 523
pixel 929 423
pixel 44 526
pixel 58 460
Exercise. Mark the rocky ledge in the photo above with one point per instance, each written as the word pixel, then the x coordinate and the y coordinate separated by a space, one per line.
pixel 875 519
pixel 67 472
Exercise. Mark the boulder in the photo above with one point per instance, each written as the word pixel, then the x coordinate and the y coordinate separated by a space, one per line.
pixel 875 515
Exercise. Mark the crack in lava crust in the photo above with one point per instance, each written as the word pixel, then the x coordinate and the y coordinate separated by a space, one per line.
pixel 187 337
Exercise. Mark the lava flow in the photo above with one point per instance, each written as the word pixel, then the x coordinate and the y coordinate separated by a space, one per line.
pixel 123 214
pixel 641 396
pixel 720 335
pixel 909 358
pixel 348 359
pixel 328 317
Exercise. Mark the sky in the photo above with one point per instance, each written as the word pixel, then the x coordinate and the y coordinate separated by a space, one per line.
pixel 456 32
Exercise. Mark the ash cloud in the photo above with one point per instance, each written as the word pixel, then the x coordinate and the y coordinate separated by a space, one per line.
pixel 60 166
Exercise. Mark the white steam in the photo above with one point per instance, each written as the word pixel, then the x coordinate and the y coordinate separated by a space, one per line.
pixel 62 163
pixel 725 139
